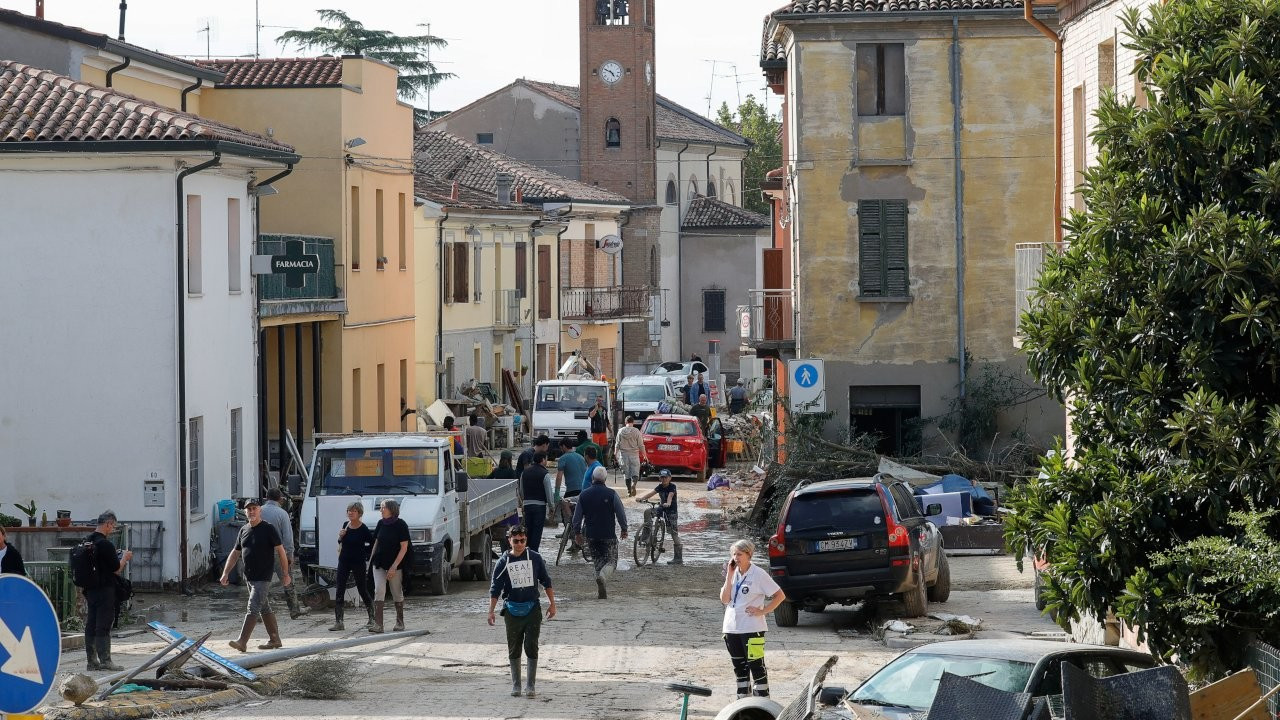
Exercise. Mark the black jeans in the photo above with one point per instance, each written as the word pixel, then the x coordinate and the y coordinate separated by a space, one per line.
pixel 101 613
pixel 357 571
pixel 535 519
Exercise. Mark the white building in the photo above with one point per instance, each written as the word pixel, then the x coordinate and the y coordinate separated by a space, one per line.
pixel 127 379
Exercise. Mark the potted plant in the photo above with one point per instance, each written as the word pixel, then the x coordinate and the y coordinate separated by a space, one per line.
pixel 64 518
pixel 30 510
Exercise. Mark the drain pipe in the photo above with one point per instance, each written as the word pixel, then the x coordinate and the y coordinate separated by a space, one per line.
pixel 958 172
pixel 440 308
pixel 714 149
pixel 116 69
pixel 679 253
pixel 1057 117
pixel 182 367
pixel 189 88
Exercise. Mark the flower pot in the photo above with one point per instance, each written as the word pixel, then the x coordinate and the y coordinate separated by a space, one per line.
pixel 64 518
pixel 31 521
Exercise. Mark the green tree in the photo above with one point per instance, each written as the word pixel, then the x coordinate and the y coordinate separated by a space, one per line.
pixel 1159 327
pixel 753 121
pixel 408 53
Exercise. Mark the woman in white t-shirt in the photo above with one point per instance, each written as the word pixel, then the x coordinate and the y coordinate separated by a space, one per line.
pixel 748 595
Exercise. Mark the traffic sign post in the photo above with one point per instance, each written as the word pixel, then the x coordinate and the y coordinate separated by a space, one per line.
pixel 807 385
pixel 30 645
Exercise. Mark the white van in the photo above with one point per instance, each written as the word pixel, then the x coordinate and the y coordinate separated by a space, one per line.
pixel 640 395
pixel 560 407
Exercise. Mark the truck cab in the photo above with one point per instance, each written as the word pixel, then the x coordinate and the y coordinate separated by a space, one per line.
pixel 560 406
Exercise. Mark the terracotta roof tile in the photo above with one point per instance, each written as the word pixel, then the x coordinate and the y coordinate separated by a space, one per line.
pixel 831 7
pixel 440 191
pixel 446 157
pixel 772 53
pixel 41 106
pixel 279 72
pixel 708 212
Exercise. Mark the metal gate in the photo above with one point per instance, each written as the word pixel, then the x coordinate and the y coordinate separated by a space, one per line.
pixel 146 539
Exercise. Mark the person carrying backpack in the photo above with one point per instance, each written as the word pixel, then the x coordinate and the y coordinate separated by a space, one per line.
pixel 95 563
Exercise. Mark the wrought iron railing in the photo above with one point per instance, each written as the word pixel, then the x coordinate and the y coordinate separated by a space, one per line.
pixel 612 303
pixel 771 321
pixel 320 285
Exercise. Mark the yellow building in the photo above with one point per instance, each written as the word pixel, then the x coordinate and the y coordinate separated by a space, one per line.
pixel 920 151
pixel 351 204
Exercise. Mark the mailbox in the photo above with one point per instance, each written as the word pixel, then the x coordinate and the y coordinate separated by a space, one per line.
pixel 152 493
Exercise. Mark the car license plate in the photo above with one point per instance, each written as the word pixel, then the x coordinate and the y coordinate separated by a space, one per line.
pixel 841 544
pixel 669 447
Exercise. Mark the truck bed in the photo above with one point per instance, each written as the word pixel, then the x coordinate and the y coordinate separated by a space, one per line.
pixel 489 502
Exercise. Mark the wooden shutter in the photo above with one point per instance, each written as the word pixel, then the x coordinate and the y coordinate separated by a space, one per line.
pixel 446 273
pixel 461 286
pixel 895 248
pixel 522 269
pixel 870 249
pixel 544 282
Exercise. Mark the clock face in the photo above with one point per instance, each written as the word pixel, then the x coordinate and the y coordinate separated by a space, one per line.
pixel 611 72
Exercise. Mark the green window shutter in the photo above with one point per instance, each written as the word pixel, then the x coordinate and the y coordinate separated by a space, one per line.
pixel 870 249
pixel 895 248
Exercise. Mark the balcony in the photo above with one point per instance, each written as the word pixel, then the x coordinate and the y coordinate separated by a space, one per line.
pixel 604 305
pixel 771 319
pixel 319 293
pixel 506 310
pixel 1028 262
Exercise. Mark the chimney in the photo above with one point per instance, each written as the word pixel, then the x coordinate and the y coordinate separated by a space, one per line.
pixel 504 182
pixel 40 9
pixel 453 192
pixel 519 195
pixel 124 6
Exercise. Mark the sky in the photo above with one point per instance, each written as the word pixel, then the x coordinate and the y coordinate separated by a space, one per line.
pixel 491 42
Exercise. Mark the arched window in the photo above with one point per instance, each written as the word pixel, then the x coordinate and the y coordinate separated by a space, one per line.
pixel 711 189
pixel 693 186
pixel 612 12
pixel 653 266
pixel 671 191
pixel 729 193
pixel 648 133
pixel 612 133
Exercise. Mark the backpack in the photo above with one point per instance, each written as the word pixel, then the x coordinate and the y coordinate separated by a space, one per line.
pixel 84 564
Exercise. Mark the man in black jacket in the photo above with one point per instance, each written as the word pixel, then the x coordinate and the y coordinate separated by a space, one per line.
pixel 599 507
pixel 535 491
pixel 101 599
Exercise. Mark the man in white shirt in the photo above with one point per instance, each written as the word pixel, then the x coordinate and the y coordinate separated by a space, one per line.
pixel 629 447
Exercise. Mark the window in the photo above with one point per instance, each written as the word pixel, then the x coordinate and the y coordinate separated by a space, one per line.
pixel 403 249
pixel 729 193
pixel 461 284
pixel 654 266
pixel 194 264
pixel 589 257
pixel 522 266
pixel 693 187
pixel 478 269
pixel 484 138
pixel 499 241
pixel 1077 145
pixel 882 248
pixel 1107 65
pixel 713 310
pixel 233 244
pixel 648 133
pixel 544 282
pixel 711 189
pixel 671 192
pixel 355 401
pixel 382 397
pixel 404 391
pixel 379 245
pixel 882 80
pixel 612 133
pixel 237 431
pixel 612 12
pixel 355 228
pixel 195 443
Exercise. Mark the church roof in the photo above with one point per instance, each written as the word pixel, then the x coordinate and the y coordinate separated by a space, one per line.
pixel 674 121
pixel 708 212
pixel 445 157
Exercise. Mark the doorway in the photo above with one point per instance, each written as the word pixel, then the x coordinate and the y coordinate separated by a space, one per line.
pixel 889 412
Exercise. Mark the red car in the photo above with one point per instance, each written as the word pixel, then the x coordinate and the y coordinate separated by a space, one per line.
pixel 676 443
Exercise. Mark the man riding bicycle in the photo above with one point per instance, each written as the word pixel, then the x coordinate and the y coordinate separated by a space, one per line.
pixel 666 492
pixel 599 507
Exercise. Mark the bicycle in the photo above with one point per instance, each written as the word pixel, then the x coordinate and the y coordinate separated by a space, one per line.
pixel 650 541
pixel 566 535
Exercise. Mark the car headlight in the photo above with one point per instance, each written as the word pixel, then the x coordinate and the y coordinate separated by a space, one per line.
pixel 420 535
pixel 308 537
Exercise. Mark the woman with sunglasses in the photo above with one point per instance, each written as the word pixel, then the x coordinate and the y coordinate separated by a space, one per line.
pixel 515 579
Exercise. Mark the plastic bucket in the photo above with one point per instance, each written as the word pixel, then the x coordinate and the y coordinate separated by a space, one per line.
pixel 226 510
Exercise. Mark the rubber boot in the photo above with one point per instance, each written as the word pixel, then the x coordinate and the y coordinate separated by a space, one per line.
pixel 601 593
pixel 337 617
pixel 679 558
pixel 399 617
pixel 104 654
pixel 533 678
pixel 291 599
pixel 369 610
pixel 91 650
pixel 273 632
pixel 246 629
pixel 515 678
pixel 375 625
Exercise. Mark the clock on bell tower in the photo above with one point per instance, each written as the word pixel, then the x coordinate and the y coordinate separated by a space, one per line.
pixel 617 142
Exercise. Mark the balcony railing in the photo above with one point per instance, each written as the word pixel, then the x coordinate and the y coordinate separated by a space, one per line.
pixel 1028 262
pixel 319 292
pixel 772 319
pixel 506 310
pixel 625 304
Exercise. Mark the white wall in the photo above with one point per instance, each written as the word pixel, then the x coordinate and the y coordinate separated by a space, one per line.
pixel 88 376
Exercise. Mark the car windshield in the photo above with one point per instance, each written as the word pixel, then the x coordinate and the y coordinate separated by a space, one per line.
pixel 672 428
pixel 849 510
pixel 567 397
pixel 643 393
pixel 912 679
pixel 669 367
pixel 374 471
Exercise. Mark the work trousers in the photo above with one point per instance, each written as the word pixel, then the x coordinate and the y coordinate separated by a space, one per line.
pixel 522 632
pixel 380 584
pixel 604 554
pixel 535 519
pixel 746 651
pixel 355 570
pixel 100 612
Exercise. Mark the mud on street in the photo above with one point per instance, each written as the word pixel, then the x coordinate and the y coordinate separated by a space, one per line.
pixel 599 658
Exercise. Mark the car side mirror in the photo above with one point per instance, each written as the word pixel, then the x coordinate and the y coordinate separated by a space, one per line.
pixel 460 480
pixel 831 696
pixel 933 509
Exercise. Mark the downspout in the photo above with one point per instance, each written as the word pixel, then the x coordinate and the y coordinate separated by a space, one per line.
pixel 185 90
pixel 559 289
pixel 619 356
pixel 958 173
pixel 182 366
pixel 714 149
pixel 258 337
pixel 444 217
pixel 533 312
pixel 117 68
pixel 679 252
pixel 1057 116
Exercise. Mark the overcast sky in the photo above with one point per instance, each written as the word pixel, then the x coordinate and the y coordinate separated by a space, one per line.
pixel 491 42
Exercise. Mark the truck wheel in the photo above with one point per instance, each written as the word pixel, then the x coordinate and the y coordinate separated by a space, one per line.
pixel 484 570
pixel 787 614
pixel 440 580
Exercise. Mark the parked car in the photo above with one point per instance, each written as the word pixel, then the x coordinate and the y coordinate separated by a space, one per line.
pixel 906 685
pixel 675 443
pixel 679 371
pixel 845 541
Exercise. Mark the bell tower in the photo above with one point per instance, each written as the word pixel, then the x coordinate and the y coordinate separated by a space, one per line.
pixel 617 135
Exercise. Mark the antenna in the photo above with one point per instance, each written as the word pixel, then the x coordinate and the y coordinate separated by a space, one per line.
pixel 208 34
pixel 428 65
pixel 257 30
pixel 712 86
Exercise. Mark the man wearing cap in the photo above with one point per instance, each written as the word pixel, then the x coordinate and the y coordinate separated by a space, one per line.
pixel 599 507
pixel 259 544
pixel 629 447
pixel 737 397
pixel 666 492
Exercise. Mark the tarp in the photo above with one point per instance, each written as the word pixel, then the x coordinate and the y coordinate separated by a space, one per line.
pixel 902 472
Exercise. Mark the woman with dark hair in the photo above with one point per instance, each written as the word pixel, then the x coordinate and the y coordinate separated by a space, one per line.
pixel 10 558
pixel 389 558
pixel 355 540
pixel 504 471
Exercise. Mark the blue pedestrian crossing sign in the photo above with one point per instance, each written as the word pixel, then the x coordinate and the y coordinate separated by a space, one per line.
pixel 30 645
pixel 807 391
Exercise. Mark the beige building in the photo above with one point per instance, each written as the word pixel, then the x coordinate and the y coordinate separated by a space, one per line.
pixel 909 183
pixel 351 204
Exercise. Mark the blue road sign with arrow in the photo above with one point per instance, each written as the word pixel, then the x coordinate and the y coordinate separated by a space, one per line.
pixel 30 645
